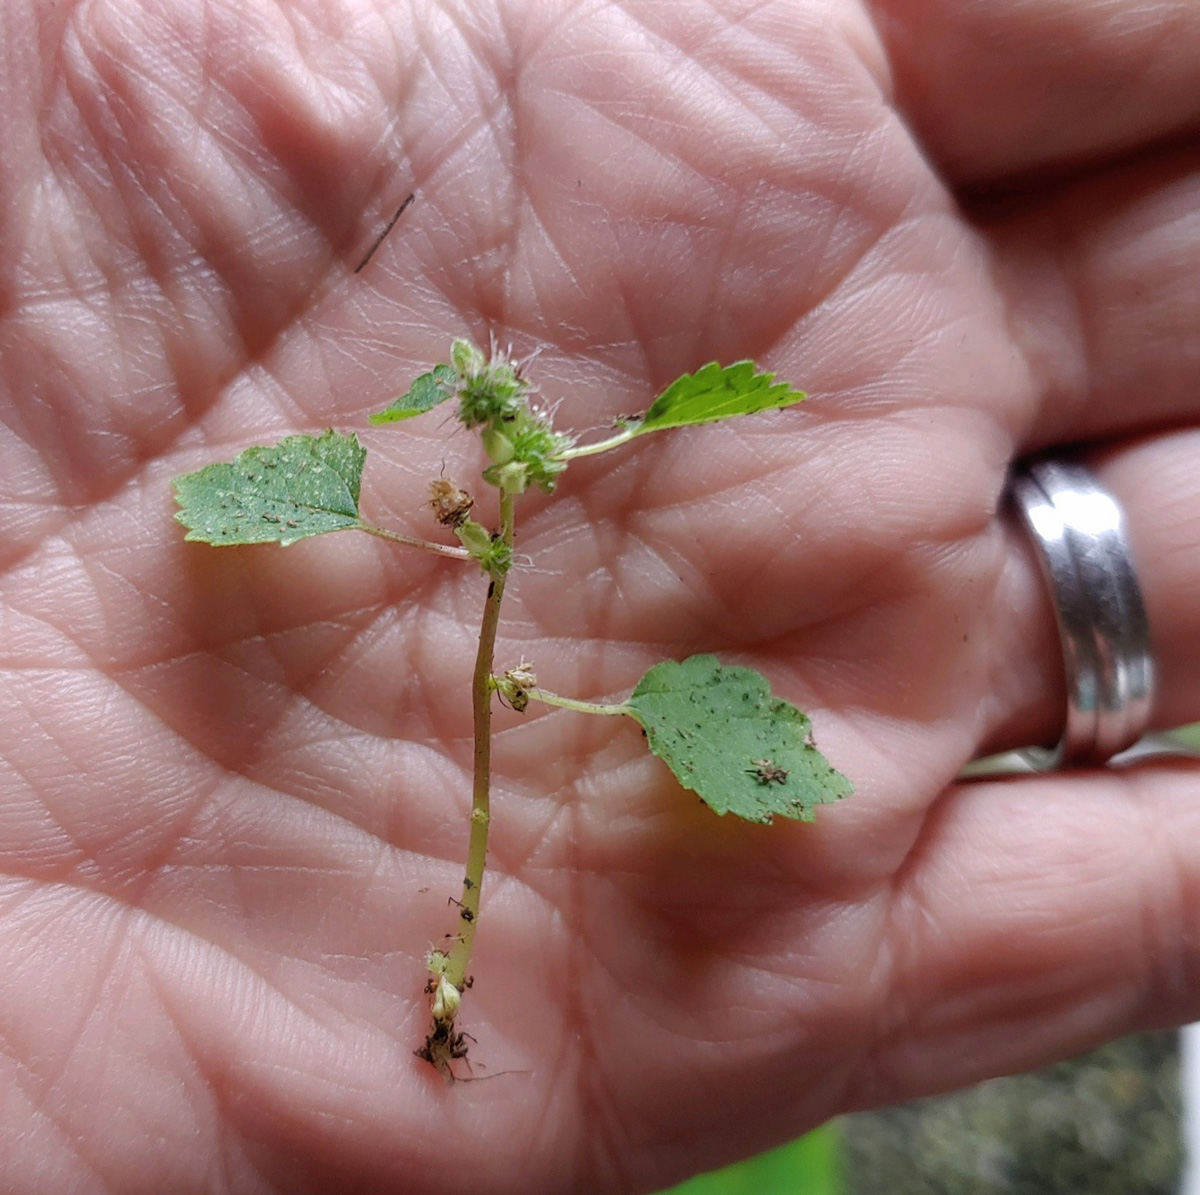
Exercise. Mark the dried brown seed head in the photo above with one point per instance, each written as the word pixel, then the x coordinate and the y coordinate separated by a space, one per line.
pixel 450 505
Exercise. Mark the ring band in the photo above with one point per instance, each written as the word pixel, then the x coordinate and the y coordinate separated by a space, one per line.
pixel 1078 529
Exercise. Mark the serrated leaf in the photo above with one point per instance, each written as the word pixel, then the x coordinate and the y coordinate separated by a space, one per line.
pixel 302 486
pixel 724 735
pixel 428 391
pixel 716 392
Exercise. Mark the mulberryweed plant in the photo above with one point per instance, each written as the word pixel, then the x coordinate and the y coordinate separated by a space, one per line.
pixel 717 727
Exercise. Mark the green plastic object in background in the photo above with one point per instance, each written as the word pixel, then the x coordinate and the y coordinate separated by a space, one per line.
pixel 810 1166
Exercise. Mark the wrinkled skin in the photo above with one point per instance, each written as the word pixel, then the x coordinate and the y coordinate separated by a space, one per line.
pixel 234 782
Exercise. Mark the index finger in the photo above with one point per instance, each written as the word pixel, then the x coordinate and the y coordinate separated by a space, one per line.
pixel 994 90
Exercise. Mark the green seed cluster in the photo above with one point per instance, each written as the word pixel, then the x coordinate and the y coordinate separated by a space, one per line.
pixel 489 391
pixel 520 441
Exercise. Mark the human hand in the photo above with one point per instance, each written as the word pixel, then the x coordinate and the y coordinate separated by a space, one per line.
pixel 234 782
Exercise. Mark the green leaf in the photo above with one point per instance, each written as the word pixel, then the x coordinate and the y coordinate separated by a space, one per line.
pixel 430 389
pixel 716 392
pixel 302 486
pixel 726 737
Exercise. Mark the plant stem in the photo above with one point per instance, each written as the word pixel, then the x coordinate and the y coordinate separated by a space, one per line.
pixel 571 703
pixel 622 437
pixel 413 542
pixel 481 702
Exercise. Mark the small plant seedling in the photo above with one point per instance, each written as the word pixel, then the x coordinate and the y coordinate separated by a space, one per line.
pixel 717 727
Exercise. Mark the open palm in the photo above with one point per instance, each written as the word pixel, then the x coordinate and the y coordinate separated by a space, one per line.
pixel 234 783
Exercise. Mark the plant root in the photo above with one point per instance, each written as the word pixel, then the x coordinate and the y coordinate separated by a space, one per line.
pixel 444 1045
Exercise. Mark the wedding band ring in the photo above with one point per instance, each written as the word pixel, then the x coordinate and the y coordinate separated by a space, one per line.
pixel 1078 529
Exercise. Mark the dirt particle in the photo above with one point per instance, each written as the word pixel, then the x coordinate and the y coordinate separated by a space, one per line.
pixel 767 772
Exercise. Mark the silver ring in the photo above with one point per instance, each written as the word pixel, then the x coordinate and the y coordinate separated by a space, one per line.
pixel 1079 531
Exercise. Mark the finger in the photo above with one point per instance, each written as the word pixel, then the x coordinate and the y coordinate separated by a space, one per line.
pixel 1104 302
pixel 997 89
pixel 1157 484
pixel 1038 918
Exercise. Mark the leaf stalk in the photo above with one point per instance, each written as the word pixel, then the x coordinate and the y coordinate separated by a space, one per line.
pixel 582 707
pixel 413 541
pixel 576 451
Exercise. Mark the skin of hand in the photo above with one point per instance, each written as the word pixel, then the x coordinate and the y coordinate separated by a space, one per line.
pixel 233 783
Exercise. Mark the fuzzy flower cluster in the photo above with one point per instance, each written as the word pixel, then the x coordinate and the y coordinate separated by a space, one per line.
pixel 520 441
